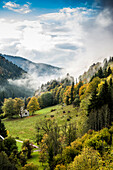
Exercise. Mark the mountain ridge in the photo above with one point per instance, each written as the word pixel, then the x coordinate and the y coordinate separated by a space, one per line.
pixel 39 68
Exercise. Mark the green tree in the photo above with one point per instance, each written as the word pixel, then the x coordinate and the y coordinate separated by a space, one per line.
pixel 18 104
pixel 100 108
pixel 5 164
pixel 27 148
pixel 109 71
pixel 76 101
pixel 9 107
pixel 3 131
pixel 100 73
pixel 69 132
pixel 10 145
pixel 46 99
pixel 88 159
pixel 72 91
pixel 67 100
pixel 33 105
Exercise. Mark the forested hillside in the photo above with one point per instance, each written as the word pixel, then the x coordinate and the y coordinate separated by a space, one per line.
pixel 75 134
pixel 8 70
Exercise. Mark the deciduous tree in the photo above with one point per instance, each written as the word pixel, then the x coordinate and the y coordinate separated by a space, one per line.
pixel 33 105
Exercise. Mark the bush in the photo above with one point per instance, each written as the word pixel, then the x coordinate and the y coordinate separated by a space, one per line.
pixel 27 148
pixel 69 154
pixel 76 102
pixel 30 166
pixel 58 159
pixel 60 167
pixel 10 145
pixel 5 164
pixel 77 145
pixel 100 140
pixel 89 159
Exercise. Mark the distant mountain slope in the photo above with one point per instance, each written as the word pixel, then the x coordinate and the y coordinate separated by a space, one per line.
pixel 8 70
pixel 39 68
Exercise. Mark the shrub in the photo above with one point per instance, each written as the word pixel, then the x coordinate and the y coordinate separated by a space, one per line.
pixel 100 140
pixel 5 164
pixel 30 166
pixel 89 159
pixel 27 148
pixel 69 153
pixel 10 145
pixel 60 167
pixel 58 159
pixel 77 145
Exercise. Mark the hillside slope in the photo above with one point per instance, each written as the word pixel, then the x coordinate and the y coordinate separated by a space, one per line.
pixel 39 68
pixel 8 70
pixel 93 69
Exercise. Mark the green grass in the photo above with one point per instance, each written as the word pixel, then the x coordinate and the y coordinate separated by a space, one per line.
pixel 35 161
pixel 24 128
pixel 19 145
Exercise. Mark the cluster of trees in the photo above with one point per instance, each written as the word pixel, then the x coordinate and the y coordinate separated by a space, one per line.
pixel 60 94
pixel 102 73
pixel 67 81
pixel 63 150
pixel 100 107
pixel 52 139
pixel 10 157
pixel 12 107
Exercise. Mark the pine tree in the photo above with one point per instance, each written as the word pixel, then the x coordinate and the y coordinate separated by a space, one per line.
pixel 72 90
pixel 3 131
pixel 104 94
pixel 100 73
pixel 67 100
pixel 110 82
pixel 109 71
pixel 93 101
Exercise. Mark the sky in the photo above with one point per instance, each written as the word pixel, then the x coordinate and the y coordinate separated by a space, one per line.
pixel 71 34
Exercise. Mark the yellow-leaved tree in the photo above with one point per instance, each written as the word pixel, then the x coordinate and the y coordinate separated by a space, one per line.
pixel 33 105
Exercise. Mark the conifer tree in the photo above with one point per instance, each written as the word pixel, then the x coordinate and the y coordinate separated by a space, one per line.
pixel 3 131
pixel 67 100
pixel 72 91
pixel 100 73
pixel 109 71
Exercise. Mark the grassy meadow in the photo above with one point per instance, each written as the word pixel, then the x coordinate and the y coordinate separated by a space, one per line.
pixel 24 128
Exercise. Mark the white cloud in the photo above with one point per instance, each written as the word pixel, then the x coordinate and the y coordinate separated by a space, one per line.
pixel 22 9
pixel 72 38
pixel 104 18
